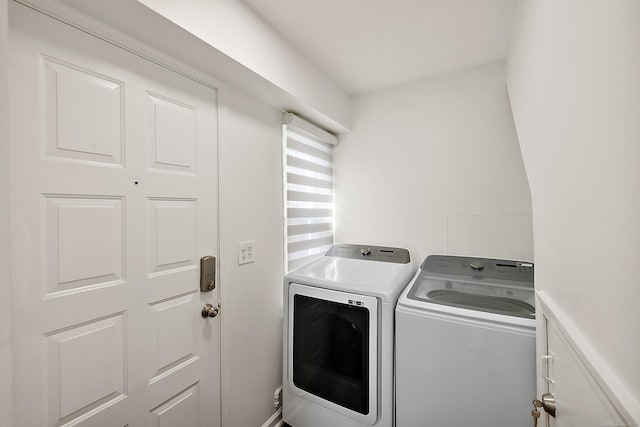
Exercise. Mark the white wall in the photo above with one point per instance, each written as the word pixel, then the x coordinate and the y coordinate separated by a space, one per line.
pixel 573 78
pixel 435 166
pixel 5 308
pixel 232 27
pixel 228 39
pixel 225 38
pixel 251 209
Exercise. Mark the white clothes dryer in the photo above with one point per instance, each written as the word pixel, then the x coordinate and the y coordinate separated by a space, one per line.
pixel 465 344
pixel 338 337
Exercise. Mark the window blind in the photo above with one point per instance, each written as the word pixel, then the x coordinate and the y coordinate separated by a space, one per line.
pixel 308 166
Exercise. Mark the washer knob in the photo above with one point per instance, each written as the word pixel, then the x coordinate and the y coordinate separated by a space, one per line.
pixel 365 251
pixel 477 265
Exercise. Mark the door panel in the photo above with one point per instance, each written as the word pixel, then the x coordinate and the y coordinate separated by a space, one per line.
pixel 181 409
pixel 84 242
pixel 582 398
pixel 94 350
pixel 83 113
pixel 113 201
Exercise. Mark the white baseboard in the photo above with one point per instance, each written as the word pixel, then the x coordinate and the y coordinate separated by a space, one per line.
pixel 275 420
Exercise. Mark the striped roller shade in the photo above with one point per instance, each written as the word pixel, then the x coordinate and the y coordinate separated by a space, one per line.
pixel 308 190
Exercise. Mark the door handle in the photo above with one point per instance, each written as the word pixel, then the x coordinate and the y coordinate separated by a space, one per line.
pixel 209 311
pixel 547 403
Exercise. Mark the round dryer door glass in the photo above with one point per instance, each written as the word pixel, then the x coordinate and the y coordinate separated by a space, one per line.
pixel 482 302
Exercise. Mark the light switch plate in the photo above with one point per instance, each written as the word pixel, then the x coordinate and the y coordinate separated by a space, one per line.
pixel 246 252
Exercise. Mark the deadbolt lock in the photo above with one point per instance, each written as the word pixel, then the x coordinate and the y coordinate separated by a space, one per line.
pixel 207 273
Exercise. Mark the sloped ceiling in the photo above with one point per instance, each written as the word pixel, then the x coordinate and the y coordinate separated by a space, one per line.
pixel 368 45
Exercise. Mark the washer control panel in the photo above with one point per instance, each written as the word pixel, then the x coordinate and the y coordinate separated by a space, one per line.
pixel 479 268
pixel 370 253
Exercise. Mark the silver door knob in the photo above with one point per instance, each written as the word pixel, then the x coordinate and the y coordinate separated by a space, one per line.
pixel 548 403
pixel 209 311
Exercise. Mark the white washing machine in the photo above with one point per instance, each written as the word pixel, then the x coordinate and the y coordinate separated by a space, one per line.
pixel 465 344
pixel 338 337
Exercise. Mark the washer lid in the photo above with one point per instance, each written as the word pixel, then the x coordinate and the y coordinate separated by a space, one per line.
pixel 491 298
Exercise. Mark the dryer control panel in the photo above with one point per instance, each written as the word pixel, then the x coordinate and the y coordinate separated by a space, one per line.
pixel 370 253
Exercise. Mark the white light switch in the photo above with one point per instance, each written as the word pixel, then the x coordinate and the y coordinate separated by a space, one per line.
pixel 246 252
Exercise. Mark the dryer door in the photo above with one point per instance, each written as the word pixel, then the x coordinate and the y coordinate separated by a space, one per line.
pixel 333 348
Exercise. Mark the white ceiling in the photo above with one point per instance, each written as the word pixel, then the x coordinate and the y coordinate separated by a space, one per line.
pixel 368 45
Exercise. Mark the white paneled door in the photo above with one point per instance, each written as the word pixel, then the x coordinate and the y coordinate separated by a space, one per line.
pixel 113 202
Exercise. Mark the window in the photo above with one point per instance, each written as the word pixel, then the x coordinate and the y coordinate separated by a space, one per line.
pixel 308 192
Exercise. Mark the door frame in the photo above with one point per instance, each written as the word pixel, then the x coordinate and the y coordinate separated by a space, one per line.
pixel 69 16
pixel 6 348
